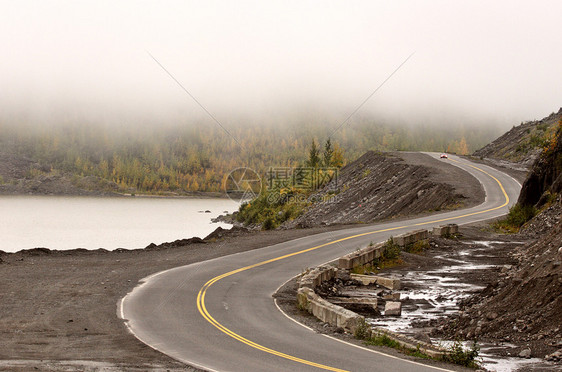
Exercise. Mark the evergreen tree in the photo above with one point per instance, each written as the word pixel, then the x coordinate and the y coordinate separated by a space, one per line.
pixel 328 153
pixel 313 155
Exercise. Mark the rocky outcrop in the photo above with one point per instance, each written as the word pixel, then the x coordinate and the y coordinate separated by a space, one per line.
pixel 546 175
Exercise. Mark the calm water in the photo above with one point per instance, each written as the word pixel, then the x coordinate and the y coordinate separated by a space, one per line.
pixel 110 223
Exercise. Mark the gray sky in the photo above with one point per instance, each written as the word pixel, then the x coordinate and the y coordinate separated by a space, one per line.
pixel 484 60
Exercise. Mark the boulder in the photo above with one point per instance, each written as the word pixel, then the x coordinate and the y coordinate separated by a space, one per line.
pixel 525 353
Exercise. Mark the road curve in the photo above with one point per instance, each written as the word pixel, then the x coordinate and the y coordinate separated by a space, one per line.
pixel 220 315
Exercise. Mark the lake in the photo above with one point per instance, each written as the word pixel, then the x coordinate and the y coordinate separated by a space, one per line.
pixel 59 222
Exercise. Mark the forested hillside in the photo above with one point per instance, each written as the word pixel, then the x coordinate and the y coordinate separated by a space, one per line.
pixel 166 158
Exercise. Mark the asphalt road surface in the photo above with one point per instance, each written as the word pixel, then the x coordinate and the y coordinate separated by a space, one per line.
pixel 220 315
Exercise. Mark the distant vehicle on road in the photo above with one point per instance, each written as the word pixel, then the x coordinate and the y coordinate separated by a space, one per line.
pixel 444 156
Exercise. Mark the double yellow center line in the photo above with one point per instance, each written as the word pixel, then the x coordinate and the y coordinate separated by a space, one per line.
pixel 203 291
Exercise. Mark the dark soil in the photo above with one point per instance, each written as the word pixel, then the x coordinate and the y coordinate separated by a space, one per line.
pixel 522 304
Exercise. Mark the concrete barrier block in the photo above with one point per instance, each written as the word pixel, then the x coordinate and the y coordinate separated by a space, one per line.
pixel 445 230
pixel 453 228
pixel 345 263
pixel 304 297
pixel 349 320
pixel 364 279
pixel 390 283
pixel 392 308
pixel 439 230
pixel 368 301
pixel 410 238
pixel 399 240
pixel 307 282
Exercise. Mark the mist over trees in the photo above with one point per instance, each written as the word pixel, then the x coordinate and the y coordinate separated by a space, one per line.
pixel 197 156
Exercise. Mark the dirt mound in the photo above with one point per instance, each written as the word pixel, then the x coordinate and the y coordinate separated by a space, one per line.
pixel 176 243
pixel 522 144
pixel 221 233
pixel 380 186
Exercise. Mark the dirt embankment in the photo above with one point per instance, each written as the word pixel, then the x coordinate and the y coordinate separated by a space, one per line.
pixel 521 146
pixel 389 185
pixel 523 304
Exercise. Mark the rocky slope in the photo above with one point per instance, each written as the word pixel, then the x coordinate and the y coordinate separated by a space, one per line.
pixel 522 144
pixel 380 186
pixel 524 304
pixel 21 175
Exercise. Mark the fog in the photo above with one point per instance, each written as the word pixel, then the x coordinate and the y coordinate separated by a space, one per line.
pixel 475 61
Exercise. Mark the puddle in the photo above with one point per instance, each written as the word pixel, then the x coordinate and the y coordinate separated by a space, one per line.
pixel 428 295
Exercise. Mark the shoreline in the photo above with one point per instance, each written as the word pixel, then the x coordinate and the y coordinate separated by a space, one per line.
pixel 198 195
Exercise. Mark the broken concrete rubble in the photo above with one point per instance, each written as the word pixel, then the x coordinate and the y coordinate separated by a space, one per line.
pixel 392 308
pixel 390 283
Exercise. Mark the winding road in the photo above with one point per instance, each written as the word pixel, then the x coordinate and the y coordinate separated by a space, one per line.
pixel 219 315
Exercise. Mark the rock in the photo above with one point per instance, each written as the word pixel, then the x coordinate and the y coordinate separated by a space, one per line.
pixel 492 315
pixel 506 268
pixel 392 308
pixel 525 353
pixel 423 337
pixel 343 275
